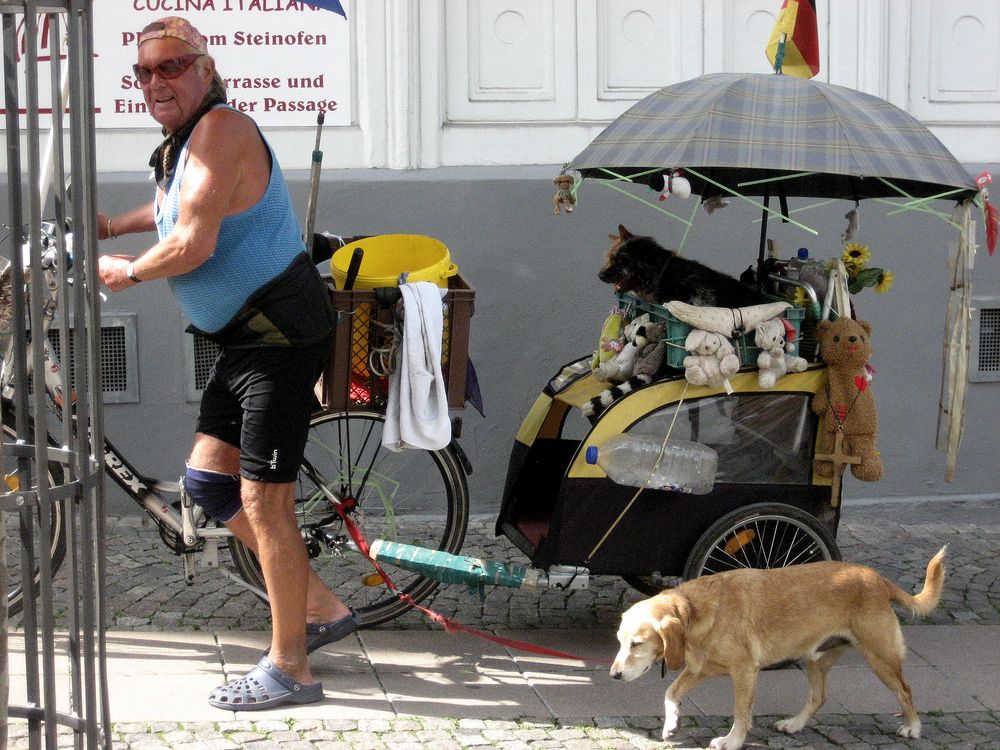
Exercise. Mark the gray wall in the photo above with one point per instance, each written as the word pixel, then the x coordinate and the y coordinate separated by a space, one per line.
pixel 539 305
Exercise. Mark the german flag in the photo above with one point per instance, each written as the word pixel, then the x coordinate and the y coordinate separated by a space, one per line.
pixel 796 27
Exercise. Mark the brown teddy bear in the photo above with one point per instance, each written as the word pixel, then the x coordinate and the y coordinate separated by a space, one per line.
pixel 564 194
pixel 845 402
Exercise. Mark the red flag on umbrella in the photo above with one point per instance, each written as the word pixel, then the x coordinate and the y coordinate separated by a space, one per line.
pixel 333 5
pixel 794 44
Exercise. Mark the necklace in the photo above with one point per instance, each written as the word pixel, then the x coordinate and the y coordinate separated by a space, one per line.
pixel 840 412
pixel 838 458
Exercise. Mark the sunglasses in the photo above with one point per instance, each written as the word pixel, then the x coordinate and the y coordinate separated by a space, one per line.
pixel 168 69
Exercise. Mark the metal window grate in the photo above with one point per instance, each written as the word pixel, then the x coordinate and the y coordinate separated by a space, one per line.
pixel 984 364
pixel 204 357
pixel 199 355
pixel 119 374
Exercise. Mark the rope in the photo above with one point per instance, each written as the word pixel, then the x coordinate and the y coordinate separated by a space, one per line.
pixel 656 465
pixel 623 191
pixel 450 625
pixel 752 202
pixel 382 359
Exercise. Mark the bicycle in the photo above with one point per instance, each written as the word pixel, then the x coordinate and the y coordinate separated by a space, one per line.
pixel 420 497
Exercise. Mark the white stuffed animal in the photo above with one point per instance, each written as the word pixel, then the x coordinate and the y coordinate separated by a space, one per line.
pixel 772 362
pixel 712 359
pixel 619 368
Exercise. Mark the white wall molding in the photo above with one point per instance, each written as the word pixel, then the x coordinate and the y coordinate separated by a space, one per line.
pixel 432 78
pixel 453 82
pixel 954 75
pixel 860 61
pixel 897 55
pixel 372 82
pixel 402 64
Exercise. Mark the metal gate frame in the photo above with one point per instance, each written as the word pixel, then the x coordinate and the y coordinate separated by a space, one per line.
pixel 78 428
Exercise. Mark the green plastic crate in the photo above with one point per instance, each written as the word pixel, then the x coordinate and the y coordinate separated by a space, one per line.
pixel 677 331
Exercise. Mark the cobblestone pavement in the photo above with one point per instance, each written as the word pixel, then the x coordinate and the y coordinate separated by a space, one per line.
pixel 146 588
pixel 967 731
pixel 146 591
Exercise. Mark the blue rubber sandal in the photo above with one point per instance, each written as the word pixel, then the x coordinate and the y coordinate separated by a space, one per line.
pixel 262 688
pixel 322 633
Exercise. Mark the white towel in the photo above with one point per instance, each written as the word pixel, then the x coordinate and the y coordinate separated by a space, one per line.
pixel 416 415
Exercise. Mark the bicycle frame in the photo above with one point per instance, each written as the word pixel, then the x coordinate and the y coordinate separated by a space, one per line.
pixel 189 524
pixel 328 496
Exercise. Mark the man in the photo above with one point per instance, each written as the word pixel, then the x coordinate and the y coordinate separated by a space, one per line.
pixel 232 251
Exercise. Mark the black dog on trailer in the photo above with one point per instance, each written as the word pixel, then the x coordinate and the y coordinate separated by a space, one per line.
pixel 643 267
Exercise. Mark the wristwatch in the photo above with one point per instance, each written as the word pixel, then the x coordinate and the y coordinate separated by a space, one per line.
pixel 130 272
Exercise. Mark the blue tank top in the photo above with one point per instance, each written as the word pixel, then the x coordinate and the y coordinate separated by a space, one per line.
pixel 253 247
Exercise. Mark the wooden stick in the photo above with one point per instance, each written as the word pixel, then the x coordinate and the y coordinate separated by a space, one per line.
pixel 840 461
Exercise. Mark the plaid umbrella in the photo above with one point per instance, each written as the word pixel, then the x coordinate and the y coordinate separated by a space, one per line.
pixel 738 128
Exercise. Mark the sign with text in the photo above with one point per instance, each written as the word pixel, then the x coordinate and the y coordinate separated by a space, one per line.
pixel 283 61
pixel 34 37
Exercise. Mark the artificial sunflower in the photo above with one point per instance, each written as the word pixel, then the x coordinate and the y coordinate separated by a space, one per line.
pixel 884 283
pixel 855 255
pixel 799 297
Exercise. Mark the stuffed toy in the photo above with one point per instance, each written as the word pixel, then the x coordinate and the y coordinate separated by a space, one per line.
pixel 612 338
pixel 646 367
pixel 773 362
pixel 712 359
pixel 564 194
pixel 726 321
pixel 845 403
pixel 622 365
pixel 650 359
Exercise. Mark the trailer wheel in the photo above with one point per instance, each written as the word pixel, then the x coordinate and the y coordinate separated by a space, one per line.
pixel 763 535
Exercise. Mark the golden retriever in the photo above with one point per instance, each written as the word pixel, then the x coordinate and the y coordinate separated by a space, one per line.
pixel 739 621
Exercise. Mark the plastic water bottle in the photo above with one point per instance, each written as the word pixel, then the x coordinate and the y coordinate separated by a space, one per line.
pixel 629 459
pixel 795 264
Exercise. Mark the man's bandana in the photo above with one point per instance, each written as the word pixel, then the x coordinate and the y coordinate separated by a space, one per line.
pixel 175 27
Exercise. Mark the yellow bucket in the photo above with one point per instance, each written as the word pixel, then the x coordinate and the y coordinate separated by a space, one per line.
pixel 388 255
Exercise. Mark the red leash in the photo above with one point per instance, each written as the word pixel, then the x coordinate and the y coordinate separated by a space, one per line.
pixel 450 625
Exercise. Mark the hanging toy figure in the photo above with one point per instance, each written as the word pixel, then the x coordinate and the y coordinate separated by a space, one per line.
pixel 714 203
pixel 564 194
pixel 845 404
pixel 853 223
pixel 991 213
pixel 672 183
pixel 677 185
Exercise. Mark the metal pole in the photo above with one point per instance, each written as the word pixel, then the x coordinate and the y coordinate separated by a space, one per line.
pixel 317 163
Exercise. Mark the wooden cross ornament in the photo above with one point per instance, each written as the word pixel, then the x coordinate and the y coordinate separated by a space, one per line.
pixel 840 461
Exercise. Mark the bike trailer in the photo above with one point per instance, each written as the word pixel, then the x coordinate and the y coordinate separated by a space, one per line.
pixel 560 510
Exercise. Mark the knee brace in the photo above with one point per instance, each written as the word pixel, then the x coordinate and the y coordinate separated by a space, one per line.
pixel 217 494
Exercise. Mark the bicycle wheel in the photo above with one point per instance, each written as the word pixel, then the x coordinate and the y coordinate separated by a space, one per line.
pixel 763 535
pixel 418 497
pixel 55 548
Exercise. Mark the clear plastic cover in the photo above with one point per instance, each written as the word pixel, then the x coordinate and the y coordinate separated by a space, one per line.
pixel 761 438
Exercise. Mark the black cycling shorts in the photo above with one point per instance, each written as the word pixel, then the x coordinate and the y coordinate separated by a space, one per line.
pixel 261 399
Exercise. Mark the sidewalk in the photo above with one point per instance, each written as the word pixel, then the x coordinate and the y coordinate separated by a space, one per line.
pixel 421 687
pixel 377 679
